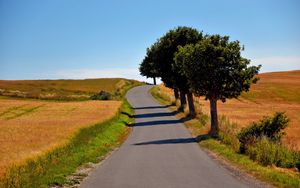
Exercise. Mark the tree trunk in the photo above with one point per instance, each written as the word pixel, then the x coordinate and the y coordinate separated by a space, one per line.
pixel 182 100
pixel 191 104
pixel 154 80
pixel 213 117
pixel 176 95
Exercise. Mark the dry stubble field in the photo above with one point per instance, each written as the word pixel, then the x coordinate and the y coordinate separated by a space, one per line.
pixel 32 127
pixel 278 91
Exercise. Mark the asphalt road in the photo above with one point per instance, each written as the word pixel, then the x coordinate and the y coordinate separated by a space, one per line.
pixel 159 153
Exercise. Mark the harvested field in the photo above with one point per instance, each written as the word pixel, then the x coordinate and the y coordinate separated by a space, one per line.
pixel 32 127
pixel 278 91
pixel 63 89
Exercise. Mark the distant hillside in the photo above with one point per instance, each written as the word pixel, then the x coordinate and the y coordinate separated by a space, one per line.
pixel 276 86
pixel 64 89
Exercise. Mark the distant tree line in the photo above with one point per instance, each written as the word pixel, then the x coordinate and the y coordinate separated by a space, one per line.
pixel 204 65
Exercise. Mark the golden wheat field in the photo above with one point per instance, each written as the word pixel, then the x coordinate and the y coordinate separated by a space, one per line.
pixel 278 91
pixel 31 127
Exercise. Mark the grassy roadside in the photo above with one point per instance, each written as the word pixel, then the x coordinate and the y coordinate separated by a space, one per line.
pixel 277 177
pixel 88 145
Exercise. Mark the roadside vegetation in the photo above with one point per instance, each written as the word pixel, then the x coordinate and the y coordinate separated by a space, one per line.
pixel 266 159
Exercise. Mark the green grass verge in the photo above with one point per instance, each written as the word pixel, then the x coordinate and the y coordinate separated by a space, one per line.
pixel 268 174
pixel 160 96
pixel 86 146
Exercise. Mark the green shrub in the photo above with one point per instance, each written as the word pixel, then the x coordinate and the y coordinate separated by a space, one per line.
pixel 203 118
pixel 285 157
pixel 298 165
pixel 263 151
pixel 268 152
pixel 228 134
pixel 271 127
pixel 102 95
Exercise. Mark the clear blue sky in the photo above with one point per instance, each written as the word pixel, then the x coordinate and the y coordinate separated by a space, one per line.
pixel 53 39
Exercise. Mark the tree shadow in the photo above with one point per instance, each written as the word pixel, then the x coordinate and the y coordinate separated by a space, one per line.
pixel 158 122
pixel 127 114
pixel 159 114
pixel 202 137
pixel 128 124
pixel 175 141
pixel 183 119
pixel 151 107
pixel 168 141
pixel 150 115
pixel 187 118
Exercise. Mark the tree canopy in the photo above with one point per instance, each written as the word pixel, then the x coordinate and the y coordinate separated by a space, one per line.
pixel 215 69
pixel 159 61
pixel 147 67
pixel 209 66
pixel 164 56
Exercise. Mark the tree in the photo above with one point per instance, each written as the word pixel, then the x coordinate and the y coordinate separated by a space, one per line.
pixel 215 69
pixel 164 60
pixel 147 67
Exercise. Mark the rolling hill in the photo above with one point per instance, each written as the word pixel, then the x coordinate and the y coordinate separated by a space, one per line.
pixel 64 89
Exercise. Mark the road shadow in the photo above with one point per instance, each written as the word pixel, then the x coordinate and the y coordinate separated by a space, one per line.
pixel 168 141
pixel 202 137
pixel 126 114
pixel 175 141
pixel 150 115
pixel 151 107
pixel 159 114
pixel 186 118
pixel 158 122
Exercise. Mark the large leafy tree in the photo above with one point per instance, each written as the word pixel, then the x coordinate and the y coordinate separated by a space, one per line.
pixel 164 60
pixel 147 67
pixel 215 69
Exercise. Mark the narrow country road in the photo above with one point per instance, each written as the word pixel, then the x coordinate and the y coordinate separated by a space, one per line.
pixel 159 153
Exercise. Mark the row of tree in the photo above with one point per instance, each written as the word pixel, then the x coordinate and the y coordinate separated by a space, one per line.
pixel 204 65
